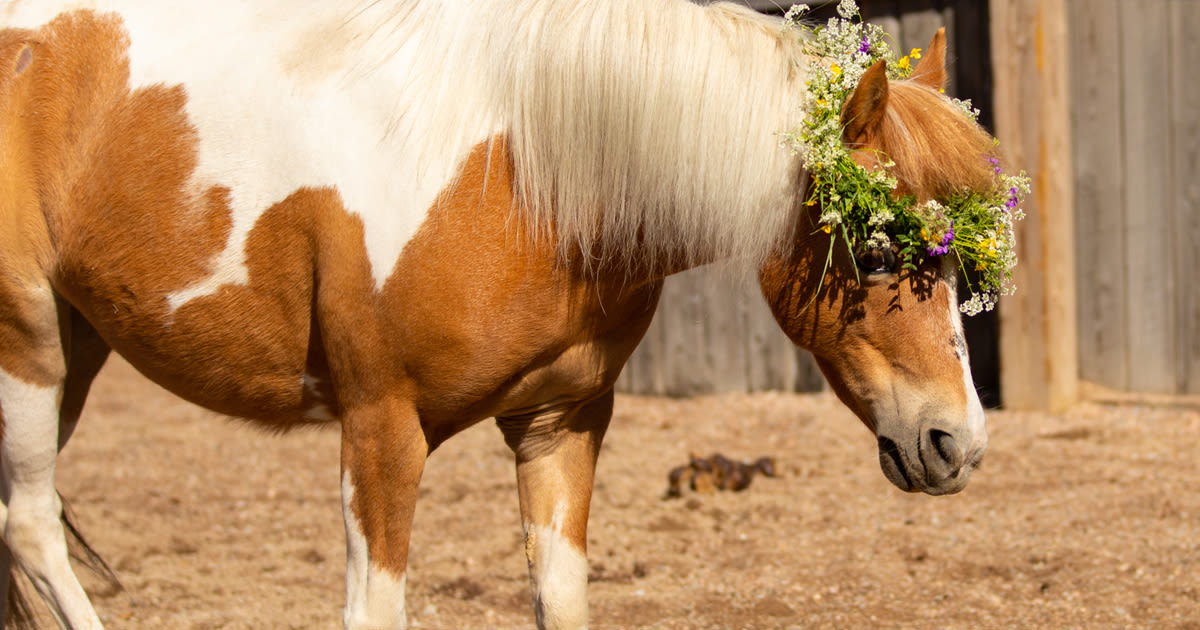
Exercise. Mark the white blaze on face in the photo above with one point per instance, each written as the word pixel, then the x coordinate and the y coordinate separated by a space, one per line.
pixel 374 597
pixel 976 419
pixel 558 571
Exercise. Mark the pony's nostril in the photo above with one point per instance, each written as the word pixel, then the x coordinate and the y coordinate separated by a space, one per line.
pixel 946 448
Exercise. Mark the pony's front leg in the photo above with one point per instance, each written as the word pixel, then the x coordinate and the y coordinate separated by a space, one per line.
pixel 556 461
pixel 33 372
pixel 383 456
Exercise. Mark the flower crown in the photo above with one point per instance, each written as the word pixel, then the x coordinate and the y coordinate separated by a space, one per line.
pixel 861 205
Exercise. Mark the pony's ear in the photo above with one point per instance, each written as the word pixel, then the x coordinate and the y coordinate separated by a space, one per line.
pixel 863 111
pixel 931 70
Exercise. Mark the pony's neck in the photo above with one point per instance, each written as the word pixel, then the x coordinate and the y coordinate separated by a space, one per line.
pixel 649 131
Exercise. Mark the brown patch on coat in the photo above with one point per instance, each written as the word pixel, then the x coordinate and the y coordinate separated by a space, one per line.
pixel 26 302
pixel 113 169
pixel 478 319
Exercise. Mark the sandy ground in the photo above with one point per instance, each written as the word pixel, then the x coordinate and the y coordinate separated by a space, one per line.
pixel 1090 519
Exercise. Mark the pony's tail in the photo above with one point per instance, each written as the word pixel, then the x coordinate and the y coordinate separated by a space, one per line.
pixel 21 615
pixel 20 611
pixel 83 553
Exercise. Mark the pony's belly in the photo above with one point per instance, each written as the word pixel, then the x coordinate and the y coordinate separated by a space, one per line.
pixel 253 373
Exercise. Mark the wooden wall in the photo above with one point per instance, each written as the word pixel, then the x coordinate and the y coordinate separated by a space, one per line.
pixel 1136 142
pixel 713 332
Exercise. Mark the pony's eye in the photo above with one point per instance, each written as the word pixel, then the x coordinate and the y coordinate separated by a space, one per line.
pixel 877 260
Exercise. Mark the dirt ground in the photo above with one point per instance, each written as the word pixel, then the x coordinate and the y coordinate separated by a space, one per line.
pixel 1090 519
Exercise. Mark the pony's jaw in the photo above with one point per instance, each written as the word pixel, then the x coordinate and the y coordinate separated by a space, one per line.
pixel 893 351
pixel 926 443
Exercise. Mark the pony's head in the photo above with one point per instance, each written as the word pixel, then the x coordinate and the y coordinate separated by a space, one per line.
pixel 889 337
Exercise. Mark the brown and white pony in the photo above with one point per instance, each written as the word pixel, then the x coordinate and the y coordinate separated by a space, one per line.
pixel 408 216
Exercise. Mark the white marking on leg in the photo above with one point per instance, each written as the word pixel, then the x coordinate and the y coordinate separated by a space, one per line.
pixel 374 598
pixel 33 529
pixel 558 572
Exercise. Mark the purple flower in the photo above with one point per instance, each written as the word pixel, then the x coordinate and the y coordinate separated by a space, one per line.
pixel 865 46
pixel 1012 198
pixel 943 246
pixel 995 164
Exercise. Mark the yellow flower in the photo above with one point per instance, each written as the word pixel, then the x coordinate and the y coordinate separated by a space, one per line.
pixel 810 202
pixel 822 102
pixel 837 70
pixel 980 267
pixel 903 63
pixel 827 228
pixel 915 54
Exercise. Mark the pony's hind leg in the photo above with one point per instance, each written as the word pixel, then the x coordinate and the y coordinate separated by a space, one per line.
pixel 556 461
pixel 383 457
pixel 33 370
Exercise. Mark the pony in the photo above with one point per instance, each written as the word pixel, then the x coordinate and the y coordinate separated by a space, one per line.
pixel 404 217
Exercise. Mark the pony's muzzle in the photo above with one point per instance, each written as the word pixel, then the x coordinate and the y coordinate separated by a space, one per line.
pixel 937 462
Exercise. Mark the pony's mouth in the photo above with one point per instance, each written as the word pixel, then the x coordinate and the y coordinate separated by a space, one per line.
pixel 892 463
pixel 910 475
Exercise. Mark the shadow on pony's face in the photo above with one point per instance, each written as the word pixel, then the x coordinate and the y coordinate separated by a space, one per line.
pixel 889 338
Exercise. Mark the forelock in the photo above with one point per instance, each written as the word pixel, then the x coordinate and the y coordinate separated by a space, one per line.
pixel 937 149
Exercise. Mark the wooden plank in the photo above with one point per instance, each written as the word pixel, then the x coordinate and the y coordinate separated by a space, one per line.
pixel 684 362
pixel 972 69
pixel 723 295
pixel 1099 191
pixel 773 365
pixel 947 18
pixel 885 13
pixel 1038 324
pixel 1150 321
pixel 919 20
pixel 1185 156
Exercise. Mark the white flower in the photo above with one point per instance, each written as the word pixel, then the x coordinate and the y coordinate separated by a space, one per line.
pixel 794 14
pixel 883 216
pixel 847 9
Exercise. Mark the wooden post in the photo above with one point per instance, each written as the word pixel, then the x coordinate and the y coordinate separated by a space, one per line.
pixel 1039 366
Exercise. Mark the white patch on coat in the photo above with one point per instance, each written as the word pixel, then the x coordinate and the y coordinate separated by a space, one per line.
pixel 558 571
pixel 374 597
pixel 277 112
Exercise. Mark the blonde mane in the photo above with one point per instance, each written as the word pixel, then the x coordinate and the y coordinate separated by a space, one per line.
pixel 633 127
pixel 653 126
